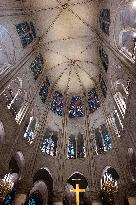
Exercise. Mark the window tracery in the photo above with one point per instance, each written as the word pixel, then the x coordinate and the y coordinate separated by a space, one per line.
pixel 57 105
pixel 49 144
pixel 105 20
pixel 76 107
pixel 26 32
pixel 93 101
pixel 30 131
pixel 37 66
pixel 76 148
pixel 44 90
pixel 103 139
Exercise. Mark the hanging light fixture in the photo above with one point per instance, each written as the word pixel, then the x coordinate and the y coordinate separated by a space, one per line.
pixel 6 185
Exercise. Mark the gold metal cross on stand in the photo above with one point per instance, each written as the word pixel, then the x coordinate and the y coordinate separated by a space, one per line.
pixel 77 191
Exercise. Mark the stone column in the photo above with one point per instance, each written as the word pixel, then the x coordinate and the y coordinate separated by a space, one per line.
pixel 95 199
pixel 130 191
pixel 58 198
pixel 96 202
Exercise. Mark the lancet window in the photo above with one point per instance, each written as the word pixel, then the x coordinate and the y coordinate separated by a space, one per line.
pixel 93 101
pixel 15 97
pixel 57 105
pixel 49 144
pixel 26 32
pixel 121 96
pixel 105 20
pixel 76 107
pixel 44 90
pixel 30 130
pixel 37 66
pixel 103 139
pixel 34 199
pixel 76 148
pixel 104 58
pixel 126 38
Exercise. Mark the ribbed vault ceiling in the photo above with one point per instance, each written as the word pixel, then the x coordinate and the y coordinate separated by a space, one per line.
pixel 68 42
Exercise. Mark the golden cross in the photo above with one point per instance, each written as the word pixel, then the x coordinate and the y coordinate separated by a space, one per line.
pixel 77 191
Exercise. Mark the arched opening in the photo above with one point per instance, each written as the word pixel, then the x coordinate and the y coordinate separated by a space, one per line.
pixel 132 163
pixel 42 190
pixel 109 185
pixel 30 127
pixel 7 51
pixel 2 133
pixel 70 197
pixel 7 184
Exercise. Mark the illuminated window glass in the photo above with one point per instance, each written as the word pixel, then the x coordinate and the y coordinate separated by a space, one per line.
pixel 57 105
pixel 93 101
pixel 37 66
pixel 49 144
pixel 29 134
pixel 105 20
pixel 76 107
pixel 26 32
pixel 103 139
pixel 44 90
pixel 76 148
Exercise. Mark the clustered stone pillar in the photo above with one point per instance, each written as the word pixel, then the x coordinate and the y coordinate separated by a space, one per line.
pixel 58 198
pixel 95 199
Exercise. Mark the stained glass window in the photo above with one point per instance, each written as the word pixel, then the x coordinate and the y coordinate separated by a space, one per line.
pixel 76 148
pixel 44 90
pixel 93 101
pixel 29 134
pixel 76 107
pixel 49 144
pixel 105 20
pixel 104 58
pixel 9 199
pixel 72 147
pixel 57 105
pixel 26 32
pixel 37 66
pixel 106 138
pixel 103 139
pixel 34 199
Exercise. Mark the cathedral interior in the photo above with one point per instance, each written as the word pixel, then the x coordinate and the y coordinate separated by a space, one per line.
pixel 67 102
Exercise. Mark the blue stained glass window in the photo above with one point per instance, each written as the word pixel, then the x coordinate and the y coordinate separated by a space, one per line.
pixel 106 138
pixel 93 101
pixel 34 199
pixel 44 90
pixel 23 28
pixel 72 147
pixel 9 199
pixel 26 32
pixel 57 105
pixel 76 107
pixel 49 144
pixel 104 58
pixel 105 20
pixel 37 66
pixel 103 139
